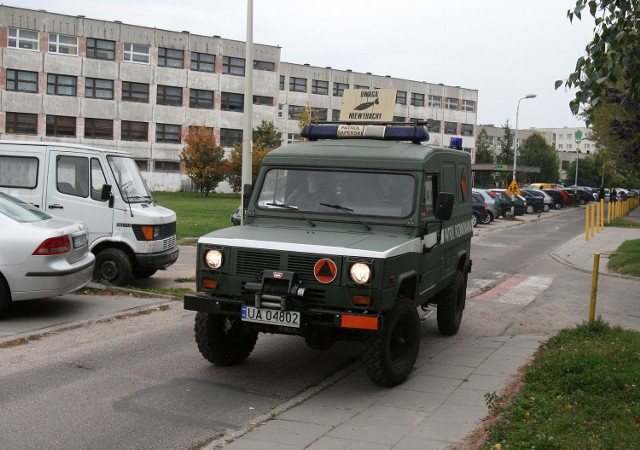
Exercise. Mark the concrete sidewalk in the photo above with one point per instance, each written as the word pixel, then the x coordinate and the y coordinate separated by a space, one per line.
pixel 441 403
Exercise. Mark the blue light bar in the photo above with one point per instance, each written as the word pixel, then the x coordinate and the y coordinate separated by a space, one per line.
pixel 456 142
pixel 409 132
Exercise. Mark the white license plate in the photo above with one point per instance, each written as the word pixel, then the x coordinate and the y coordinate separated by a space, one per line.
pixel 271 316
pixel 80 241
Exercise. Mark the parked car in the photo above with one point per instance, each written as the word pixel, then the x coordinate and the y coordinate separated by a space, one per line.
pixel 518 203
pixel 506 203
pixel 547 200
pixel 42 256
pixel 582 196
pixel 558 198
pixel 534 204
pixel 493 204
pixel 479 209
pixel 569 198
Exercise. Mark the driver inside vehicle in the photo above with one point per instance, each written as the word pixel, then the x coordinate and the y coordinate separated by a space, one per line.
pixel 310 193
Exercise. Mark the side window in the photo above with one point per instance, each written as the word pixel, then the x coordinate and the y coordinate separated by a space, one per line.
pixel 97 179
pixel 18 172
pixel 72 175
pixel 430 193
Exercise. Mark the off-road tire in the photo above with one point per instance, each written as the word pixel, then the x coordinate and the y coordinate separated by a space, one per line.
pixel 5 298
pixel 223 340
pixel 144 272
pixel 389 356
pixel 451 304
pixel 114 266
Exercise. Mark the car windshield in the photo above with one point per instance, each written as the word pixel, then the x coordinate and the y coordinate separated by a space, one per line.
pixel 130 182
pixel 383 194
pixel 20 211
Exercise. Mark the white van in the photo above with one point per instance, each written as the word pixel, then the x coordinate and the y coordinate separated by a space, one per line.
pixel 130 234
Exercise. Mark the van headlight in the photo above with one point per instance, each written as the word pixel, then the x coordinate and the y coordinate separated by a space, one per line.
pixel 213 259
pixel 360 273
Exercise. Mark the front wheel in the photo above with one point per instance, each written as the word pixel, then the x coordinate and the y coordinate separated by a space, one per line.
pixel 546 207
pixel 223 340
pixel 451 304
pixel 474 220
pixel 530 209
pixel 487 220
pixel 113 265
pixel 389 356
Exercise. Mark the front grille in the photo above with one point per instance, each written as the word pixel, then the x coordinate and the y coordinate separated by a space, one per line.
pixel 169 243
pixel 303 266
pixel 168 230
pixel 252 263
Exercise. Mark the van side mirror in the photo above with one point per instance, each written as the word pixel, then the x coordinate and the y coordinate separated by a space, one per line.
pixel 444 206
pixel 106 194
pixel 246 195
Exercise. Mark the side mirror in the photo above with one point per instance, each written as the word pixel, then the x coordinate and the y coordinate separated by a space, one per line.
pixel 106 192
pixel 444 206
pixel 246 195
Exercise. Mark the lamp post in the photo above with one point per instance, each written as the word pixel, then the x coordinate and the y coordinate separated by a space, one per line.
pixel 578 139
pixel 515 141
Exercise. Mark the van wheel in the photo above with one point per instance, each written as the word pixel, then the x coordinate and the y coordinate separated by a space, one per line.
pixel 112 265
pixel 5 298
pixel 451 303
pixel 223 340
pixel 389 356
pixel 144 272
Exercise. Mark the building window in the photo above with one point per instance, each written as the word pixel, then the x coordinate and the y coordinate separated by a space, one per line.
pixel 98 128
pixel 63 44
pixel 292 137
pixel 417 99
pixel 232 102
pixel 570 136
pixel 201 99
pixel 166 166
pixel 569 146
pixel 169 57
pixel 335 115
pixel 169 95
pixel 559 146
pixel 24 39
pixel 61 84
pixel 560 136
pixel 320 87
pixel 262 100
pixel 280 110
pixel 451 103
pixel 22 81
pixel 203 62
pixel 195 129
pixel 21 123
pixel 230 137
pixel 168 133
pixel 295 112
pixel 401 97
pixel 98 88
pixel 297 84
pixel 469 105
pixel 135 92
pixel 433 125
pixel 435 101
pixel 264 65
pixel 360 86
pixel 338 89
pixel 467 129
pixel 101 49
pixel 233 66
pixel 143 164
pixel 320 113
pixel 282 82
pixel 61 126
pixel 450 127
pixel 399 119
pixel 134 131
pixel 137 53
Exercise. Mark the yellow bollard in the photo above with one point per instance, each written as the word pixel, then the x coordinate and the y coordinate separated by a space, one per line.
pixel 597 206
pixel 593 219
pixel 586 223
pixel 594 286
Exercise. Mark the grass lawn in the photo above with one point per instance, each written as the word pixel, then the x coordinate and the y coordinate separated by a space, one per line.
pixel 196 215
pixel 626 259
pixel 581 391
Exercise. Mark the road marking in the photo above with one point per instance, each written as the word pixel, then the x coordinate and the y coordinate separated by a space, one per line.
pixel 517 290
pixel 484 281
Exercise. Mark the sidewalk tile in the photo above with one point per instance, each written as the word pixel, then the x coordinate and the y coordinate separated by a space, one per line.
pixel 412 400
pixel 278 431
pixel 445 370
pixel 429 383
pixel 333 443
pixel 468 397
pixel 410 443
pixel 487 383
pixel 309 412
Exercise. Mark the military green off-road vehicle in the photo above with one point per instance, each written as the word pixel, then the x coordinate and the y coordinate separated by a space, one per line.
pixel 343 239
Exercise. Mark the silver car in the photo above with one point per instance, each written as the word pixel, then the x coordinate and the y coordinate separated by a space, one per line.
pixel 42 256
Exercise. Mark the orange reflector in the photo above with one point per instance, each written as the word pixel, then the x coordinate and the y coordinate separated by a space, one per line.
pixel 148 232
pixel 209 284
pixel 361 322
pixel 359 300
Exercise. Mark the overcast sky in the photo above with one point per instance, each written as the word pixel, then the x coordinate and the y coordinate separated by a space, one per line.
pixel 505 49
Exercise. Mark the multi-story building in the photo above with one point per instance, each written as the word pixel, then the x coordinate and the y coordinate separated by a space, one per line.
pixel 75 79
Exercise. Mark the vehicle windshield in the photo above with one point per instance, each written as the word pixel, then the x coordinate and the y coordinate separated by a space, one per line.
pixel 129 181
pixel 19 210
pixel 384 194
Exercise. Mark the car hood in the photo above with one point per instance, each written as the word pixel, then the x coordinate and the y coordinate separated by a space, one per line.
pixel 347 243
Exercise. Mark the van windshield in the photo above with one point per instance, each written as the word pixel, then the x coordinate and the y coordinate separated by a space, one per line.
pixel 130 183
pixel 384 194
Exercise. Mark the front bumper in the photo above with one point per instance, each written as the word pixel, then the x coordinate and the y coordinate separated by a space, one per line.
pixel 160 260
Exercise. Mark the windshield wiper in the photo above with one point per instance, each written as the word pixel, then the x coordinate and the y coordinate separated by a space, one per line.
pixel 348 211
pixel 295 208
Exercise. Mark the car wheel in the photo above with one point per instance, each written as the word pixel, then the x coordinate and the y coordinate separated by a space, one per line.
pixel 451 303
pixel 223 340
pixel 486 220
pixel 530 209
pixel 144 272
pixel 389 356
pixel 546 207
pixel 558 206
pixel 474 220
pixel 5 298
pixel 113 265
pixel 582 201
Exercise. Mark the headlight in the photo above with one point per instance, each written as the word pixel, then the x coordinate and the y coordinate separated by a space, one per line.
pixel 360 273
pixel 213 258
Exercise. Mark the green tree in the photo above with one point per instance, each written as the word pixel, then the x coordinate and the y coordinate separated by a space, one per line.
pixel 589 174
pixel 535 151
pixel 506 153
pixel 484 155
pixel 203 159
pixel 267 135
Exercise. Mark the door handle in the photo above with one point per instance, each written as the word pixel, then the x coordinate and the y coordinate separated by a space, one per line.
pixel 56 206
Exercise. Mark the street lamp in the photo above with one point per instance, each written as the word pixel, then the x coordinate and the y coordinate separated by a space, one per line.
pixel 515 143
pixel 578 137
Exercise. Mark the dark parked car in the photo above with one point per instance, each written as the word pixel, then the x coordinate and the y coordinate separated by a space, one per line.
pixel 558 198
pixel 506 203
pixel 480 210
pixel 546 198
pixel 582 196
pixel 534 204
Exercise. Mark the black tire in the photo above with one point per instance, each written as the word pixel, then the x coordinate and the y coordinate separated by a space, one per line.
pixel 113 265
pixel 223 340
pixel 474 220
pixel 546 207
pixel 530 209
pixel 558 206
pixel 5 298
pixel 389 356
pixel 582 201
pixel 487 220
pixel 144 272
pixel 451 304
